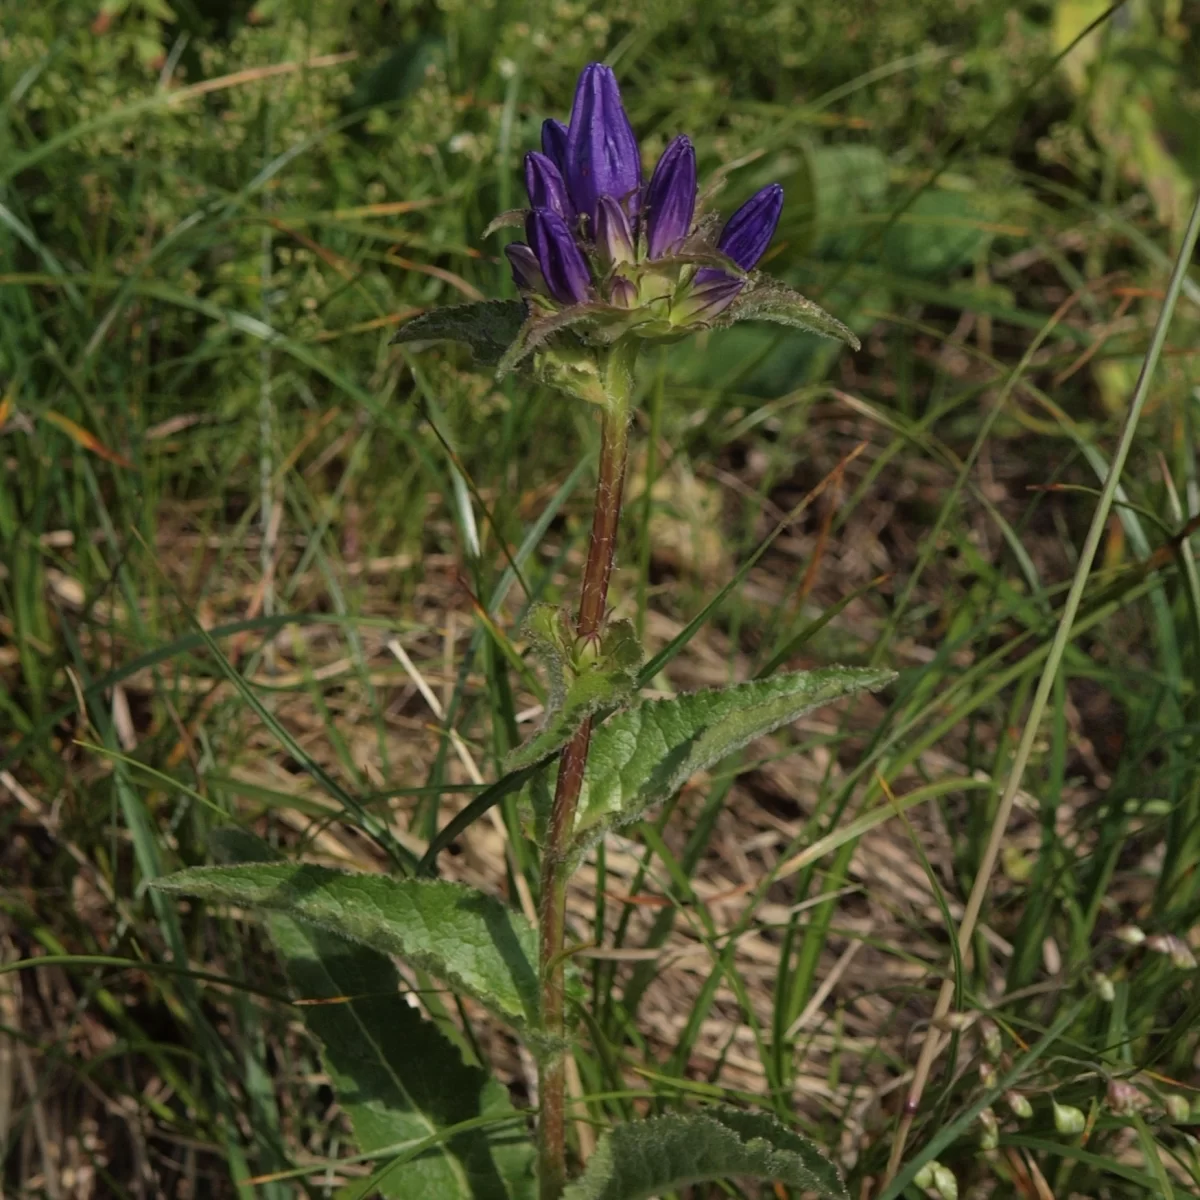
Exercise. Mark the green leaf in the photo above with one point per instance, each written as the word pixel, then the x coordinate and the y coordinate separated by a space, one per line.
pixel 767 299
pixel 470 940
pixel 645 754
pixel 581 684
pixel 643 1159
pixel 488 327
pixel 397 1075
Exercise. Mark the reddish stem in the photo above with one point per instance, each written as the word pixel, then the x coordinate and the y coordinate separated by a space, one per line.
pixel 552 1127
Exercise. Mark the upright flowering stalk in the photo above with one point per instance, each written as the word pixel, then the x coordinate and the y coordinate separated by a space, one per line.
pixel 608 262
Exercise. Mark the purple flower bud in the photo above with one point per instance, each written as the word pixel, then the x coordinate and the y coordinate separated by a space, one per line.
pixel 613 237
pixel 602 153
pixel 563 266
pixel 526 273
pixel 748 233
pixel 545 186
pixel 671 197
pixel 707 298
pixel 622 292
pixel 554 143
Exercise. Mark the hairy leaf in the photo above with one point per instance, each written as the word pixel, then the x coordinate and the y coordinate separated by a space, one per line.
pixel 471 940
pixel 768 300
pixel 396 1074
pixel 643 1159
pixel 645 754
pixel 488 327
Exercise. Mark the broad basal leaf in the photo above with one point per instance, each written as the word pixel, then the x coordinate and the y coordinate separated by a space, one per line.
pixel 769 300
pixel 643 1159
pixel 466 938
pixel 398 1077
pixel 488 327
pixel 645 754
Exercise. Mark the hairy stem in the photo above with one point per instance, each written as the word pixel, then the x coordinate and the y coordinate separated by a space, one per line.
pixel 552 1126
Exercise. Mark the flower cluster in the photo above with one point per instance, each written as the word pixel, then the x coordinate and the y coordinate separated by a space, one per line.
pixel 610 262
pixel 597 236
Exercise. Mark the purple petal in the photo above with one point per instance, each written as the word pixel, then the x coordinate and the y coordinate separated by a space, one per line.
pixel 707 298
pixel 526 273
pixel 602 153
pixel 671 197
pixel 748 233
pixel 554 143
pixel 563 266
pixel 545 186
pixel 613 237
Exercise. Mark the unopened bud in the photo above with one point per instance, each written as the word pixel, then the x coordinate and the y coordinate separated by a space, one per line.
pixel 586 652
pixel 924 1177
pixel 1131 935
pixel 1019 1105
pixel 1068 1120
pixel 944 1182
pixel 989 1130
pixel 1123 1097
pixel 1177 1107
pixel 1103 987
pixel 987 1074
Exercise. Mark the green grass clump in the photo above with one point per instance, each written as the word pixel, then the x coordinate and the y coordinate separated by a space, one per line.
pixel 223 497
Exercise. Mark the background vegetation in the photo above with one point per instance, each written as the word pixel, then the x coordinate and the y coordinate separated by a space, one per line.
pixel 212 218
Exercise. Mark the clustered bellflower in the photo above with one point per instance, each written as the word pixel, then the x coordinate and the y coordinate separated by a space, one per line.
pixel 611 260
pixel 597 235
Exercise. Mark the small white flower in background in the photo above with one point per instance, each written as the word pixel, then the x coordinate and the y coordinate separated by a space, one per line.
pixel 1123 1097
pixel 938 1179
pixel 944 1182
pixel 1103 987
pixel 1131 935
pixel 1175 948
pixel 989 1130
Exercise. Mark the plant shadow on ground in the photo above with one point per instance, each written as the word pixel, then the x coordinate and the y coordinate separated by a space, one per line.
pixel 209 229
